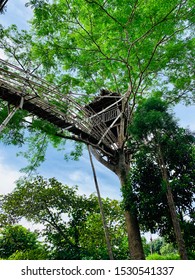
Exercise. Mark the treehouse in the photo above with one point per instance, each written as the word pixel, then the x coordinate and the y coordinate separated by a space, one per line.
pixel 105 113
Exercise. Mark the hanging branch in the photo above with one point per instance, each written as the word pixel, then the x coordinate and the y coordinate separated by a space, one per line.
pixel 101 208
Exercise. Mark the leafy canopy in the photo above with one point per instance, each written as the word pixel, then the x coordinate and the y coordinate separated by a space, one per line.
pixel 16 238
pixel 72 224
pixel 86 45
pixel 153 126
pixel 94 44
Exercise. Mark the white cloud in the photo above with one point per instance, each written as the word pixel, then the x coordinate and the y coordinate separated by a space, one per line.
pixel 86 184
pixel 8 176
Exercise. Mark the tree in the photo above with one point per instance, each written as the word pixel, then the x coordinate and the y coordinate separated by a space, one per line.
pixel 168 154
pixel 16 238
pixel 38 203
pixel 72 225
pixel 88 45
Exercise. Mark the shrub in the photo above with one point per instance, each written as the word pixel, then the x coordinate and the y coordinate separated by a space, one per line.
pixel 165 257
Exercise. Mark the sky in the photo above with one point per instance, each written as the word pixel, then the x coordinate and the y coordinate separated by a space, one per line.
pixel 72 172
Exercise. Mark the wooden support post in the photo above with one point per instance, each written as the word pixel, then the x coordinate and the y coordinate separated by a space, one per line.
pixel 110 253
pixel 9 117
pixel 11 114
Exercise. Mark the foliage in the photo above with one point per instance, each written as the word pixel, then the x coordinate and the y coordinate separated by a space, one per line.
pixel 157 244
pixel 87 45
pixel 83 46
pixel 72 224
pixel 167 249
pixel 39 253
pixel 133 43
pixel 189 228
pixel 152 126
pixel 16 238
pixel 15 131
pixel 146 246
pixel 164 257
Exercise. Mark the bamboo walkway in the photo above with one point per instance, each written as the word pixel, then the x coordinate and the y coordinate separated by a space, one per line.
pixel 25 90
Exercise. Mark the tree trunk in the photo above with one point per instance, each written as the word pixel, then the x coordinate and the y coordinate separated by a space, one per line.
pixel 172 208
pixel 133 230
pixel 176 224
pixel 134 237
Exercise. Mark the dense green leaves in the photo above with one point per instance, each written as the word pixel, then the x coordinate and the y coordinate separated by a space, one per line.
pixel 151 117
pixel 87 45
pixel 165 159
pixel 16 238
pixel 72 224
pixel 113 45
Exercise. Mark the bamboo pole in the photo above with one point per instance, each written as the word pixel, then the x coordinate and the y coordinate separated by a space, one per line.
pixel 109 248
pixel 7 120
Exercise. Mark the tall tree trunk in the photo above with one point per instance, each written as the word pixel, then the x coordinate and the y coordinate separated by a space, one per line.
pixel 172 208
pixel 133 230
pixel 176 224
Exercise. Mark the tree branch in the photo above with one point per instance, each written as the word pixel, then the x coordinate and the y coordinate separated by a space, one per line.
pixel 103 161
pixel 77 139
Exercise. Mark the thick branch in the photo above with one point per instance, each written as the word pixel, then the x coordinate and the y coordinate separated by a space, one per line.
pixel 77 139
pixel 103 161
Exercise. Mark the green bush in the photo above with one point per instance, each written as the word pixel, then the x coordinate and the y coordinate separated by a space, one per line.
pixel 165 257
pixel 35 254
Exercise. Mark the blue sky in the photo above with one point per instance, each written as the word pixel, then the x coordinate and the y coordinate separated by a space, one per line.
pixel 71 172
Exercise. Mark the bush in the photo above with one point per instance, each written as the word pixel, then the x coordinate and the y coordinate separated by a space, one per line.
pixel 35 254
pixel 165 257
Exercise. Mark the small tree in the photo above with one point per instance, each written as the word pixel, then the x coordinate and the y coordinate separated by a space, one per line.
pixel 168 151
pixel 71 222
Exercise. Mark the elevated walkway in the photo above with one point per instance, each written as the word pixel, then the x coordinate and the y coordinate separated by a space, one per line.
pixel 88 122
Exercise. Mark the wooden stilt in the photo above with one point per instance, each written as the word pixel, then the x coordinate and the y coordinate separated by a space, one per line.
pixel 110 253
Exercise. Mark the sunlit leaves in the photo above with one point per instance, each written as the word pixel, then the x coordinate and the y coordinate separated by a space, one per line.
pixel 111 44
pixel 71 222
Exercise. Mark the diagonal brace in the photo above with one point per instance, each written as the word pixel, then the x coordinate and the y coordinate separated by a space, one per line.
pixel 11 114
